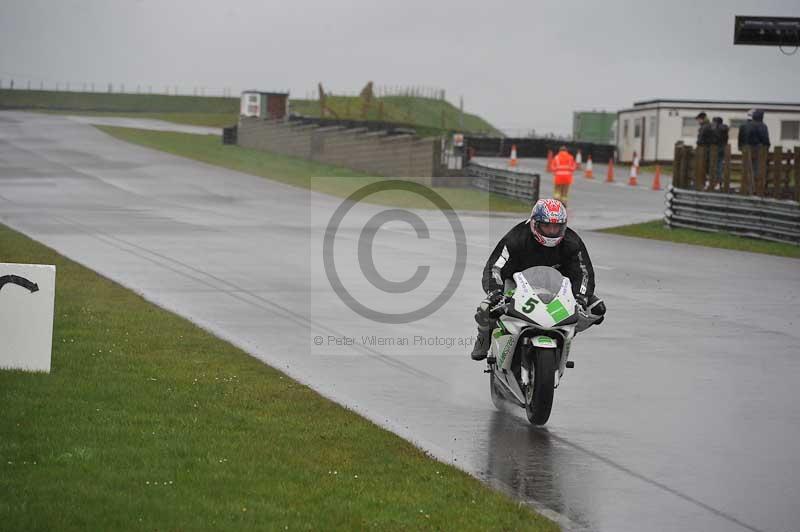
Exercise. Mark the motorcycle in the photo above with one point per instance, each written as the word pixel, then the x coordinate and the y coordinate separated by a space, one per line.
pixel 536 323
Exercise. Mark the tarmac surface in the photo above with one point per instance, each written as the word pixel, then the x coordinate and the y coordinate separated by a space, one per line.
pixel 143 123
pixel 595 203
pixel 682 412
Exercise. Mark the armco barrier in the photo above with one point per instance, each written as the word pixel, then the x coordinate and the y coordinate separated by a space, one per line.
pixel 764 218
pixel 509 183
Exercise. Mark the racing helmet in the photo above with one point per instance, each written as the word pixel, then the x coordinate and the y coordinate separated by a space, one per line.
pixel 549 222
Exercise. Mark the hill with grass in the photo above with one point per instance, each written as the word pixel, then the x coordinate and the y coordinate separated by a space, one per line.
pixel 427 115
pixel 110 102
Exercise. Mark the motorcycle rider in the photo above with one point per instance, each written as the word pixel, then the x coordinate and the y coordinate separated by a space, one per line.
pixel 541 240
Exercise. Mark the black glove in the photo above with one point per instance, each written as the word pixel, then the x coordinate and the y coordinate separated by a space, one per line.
pixel 484 317
pixel 494 297
pixel 599 309
pixel 582 300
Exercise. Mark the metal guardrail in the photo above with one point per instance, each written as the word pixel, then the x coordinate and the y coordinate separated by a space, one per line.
pixel 509 183
pixel 764 218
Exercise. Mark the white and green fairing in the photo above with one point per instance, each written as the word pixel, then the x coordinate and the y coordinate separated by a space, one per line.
pixel 528 302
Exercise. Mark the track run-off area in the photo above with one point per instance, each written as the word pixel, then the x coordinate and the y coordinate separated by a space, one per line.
pixel 682 412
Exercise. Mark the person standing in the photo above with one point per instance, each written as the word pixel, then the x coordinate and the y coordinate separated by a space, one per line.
pixel 563 167
pixel 706 139
pixel 705 135
pixel 744 131
pixel 758 133
pixel 743 142
pixel 722 134
pixel 758 136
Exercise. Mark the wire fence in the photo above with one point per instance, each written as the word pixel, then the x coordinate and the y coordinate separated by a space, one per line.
pixel 26 83
pixel 381 91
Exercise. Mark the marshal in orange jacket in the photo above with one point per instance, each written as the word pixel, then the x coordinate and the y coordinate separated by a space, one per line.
pixel 563 166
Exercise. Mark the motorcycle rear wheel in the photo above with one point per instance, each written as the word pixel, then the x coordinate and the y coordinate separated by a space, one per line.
pixel 539 397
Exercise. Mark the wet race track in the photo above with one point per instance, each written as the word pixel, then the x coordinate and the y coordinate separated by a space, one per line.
pixel 682 412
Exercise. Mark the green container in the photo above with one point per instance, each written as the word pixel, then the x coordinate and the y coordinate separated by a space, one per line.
pixel 593 126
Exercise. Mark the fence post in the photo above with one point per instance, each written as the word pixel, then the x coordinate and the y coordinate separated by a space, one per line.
pixel 686 165
pixel 726 170
pixel 686 157
pixel 700 158
pixel 676 164
pixel 712 166
pixel 786 175
pixel 761 175
pixel 795 169
pixel 775 176
pixel 747 170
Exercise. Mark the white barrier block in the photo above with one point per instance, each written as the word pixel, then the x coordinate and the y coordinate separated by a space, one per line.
pixel 27 300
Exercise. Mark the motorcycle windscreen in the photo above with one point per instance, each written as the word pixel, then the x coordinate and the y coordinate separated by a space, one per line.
pixel 545 281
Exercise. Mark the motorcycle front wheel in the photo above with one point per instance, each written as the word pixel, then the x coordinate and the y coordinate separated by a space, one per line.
pixel 539 395
pixel 497 396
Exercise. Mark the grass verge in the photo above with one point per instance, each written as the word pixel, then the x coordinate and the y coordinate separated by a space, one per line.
pixel 325 178
pixel 148 422
pixel 656 230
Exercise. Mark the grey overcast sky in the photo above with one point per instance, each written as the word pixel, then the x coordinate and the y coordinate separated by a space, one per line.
pixel 526 64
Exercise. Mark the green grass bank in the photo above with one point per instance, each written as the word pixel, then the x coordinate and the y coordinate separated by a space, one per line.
pixel 430 116
pixel 115 102
pixel 656 230
pixel 150 423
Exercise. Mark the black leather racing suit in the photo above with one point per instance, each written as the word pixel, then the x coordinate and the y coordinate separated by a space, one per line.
pixel 519 250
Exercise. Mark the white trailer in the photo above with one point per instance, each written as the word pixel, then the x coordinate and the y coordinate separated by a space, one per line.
pixel 651 128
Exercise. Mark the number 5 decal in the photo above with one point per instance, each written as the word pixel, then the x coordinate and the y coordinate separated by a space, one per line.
pixel 527 308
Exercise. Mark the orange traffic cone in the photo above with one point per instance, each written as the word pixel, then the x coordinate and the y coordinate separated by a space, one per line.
pixel 578 160
pixel 512 162
pixel 657 179
pixel 549 160
pixel 610 173
pixel 633 179
pixel 588 172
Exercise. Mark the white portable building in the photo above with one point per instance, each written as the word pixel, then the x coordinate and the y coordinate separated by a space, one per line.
pixel 652 127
